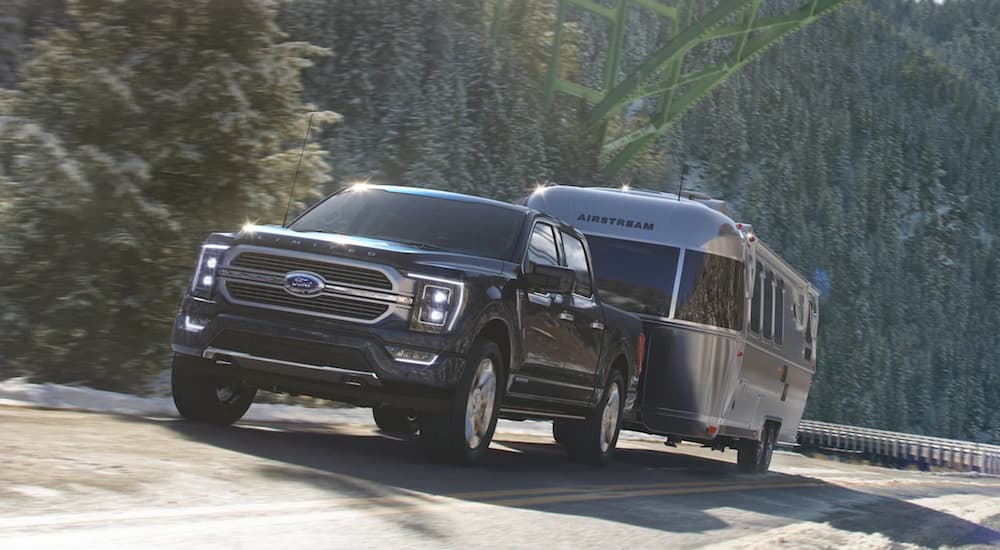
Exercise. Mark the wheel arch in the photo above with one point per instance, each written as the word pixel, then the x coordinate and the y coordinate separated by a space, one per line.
pixel 497 331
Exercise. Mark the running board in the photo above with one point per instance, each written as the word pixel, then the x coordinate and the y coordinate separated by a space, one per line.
pixel 539 414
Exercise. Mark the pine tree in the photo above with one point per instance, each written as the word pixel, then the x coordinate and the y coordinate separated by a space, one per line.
pixel 139 128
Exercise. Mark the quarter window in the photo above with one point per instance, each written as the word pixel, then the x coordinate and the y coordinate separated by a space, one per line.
pixel 542 249
pixel 576 259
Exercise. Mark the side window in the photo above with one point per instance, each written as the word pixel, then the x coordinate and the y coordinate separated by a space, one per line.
pixel 807 352
pixel 755 303
pixel 576 259
pixel 779 312
pixel 711 290
pixel 768 305
pixel 542 247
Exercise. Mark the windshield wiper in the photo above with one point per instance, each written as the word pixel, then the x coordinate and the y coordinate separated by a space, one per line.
pixel 417 244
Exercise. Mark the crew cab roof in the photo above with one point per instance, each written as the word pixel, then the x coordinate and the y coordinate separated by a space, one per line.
pixel 420 191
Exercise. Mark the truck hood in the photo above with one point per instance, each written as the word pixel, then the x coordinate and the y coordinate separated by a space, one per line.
pixel 402 256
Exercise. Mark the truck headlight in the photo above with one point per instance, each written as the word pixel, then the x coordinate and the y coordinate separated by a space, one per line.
pixel 203 283
pixel 438 304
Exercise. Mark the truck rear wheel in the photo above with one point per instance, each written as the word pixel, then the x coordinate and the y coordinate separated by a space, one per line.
pixel 394 420
pixel 463 432
pixel 754 457
pixel 208 398
pixel 593 441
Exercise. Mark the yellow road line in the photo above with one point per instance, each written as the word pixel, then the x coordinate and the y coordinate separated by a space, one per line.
pixel 399 503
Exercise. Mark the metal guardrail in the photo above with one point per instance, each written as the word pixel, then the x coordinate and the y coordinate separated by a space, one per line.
pixel 900 449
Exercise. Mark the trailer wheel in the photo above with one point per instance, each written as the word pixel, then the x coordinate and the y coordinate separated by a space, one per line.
pixel 462 433
pixel 593 440
pixel 394 420
pixel 754 457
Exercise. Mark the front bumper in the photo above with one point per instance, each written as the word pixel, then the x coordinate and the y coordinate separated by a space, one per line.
pixel 304 355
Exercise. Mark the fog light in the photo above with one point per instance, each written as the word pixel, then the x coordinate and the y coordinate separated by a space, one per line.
pixel 193 324
pixel 413 356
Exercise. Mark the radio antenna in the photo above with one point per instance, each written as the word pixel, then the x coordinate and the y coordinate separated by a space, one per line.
pixel 291 194
pixel 680 186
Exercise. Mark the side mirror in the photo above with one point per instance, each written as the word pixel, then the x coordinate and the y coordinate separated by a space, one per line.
pixel 548 278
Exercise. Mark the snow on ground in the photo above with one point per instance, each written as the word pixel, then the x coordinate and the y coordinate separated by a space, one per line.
pixel 19 392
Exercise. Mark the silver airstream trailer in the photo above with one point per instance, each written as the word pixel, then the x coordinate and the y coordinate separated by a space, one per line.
pixel 730 327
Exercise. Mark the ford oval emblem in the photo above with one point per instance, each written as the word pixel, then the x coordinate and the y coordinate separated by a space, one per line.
pixel 303 283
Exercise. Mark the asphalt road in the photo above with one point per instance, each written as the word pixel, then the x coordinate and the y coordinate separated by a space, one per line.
pixel 81 480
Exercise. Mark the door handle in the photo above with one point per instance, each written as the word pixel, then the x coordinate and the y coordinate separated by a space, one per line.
pixel 597 325
pixel 566 316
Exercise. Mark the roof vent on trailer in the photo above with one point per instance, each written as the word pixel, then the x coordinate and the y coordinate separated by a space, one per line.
pixel 714 204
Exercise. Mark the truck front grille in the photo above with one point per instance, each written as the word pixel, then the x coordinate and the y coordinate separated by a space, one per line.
pixel 325 305
pixel 331 272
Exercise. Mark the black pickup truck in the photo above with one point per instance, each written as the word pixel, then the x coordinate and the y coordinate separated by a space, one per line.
pixel 442 312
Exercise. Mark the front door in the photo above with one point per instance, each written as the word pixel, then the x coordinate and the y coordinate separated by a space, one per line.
pixel 545 333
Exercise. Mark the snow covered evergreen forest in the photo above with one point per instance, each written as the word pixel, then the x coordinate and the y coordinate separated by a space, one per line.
pixel 865 150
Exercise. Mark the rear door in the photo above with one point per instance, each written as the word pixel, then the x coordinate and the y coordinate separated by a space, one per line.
pixel 584 320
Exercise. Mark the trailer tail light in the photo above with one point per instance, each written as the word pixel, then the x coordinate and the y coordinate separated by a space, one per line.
pixel 640 354
pixel 712 430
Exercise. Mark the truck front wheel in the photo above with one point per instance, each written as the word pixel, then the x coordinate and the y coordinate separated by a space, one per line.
pixel 208 398
pixel 462 433
pixel 394 420
pixel 593 441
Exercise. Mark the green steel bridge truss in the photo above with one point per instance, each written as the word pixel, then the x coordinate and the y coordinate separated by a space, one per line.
pixel 743 27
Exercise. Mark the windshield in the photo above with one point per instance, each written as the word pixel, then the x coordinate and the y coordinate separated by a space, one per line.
pixel 433 223
pixel 635 276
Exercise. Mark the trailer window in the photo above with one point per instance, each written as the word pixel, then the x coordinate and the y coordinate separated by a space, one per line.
pixel 755 303
pixel 711 291
pixel 634 276
pixel 807 351
pixel 768 305
pixel 779 312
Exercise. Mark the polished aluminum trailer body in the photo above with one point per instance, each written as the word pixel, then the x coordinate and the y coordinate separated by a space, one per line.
pixel 731 328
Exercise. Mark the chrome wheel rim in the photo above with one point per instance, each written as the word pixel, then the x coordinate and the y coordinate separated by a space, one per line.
pixel 479 407
pixel 609 420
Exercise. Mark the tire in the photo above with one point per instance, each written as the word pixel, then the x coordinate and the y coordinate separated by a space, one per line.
pixel 559 428
pixel 593 441
pixel 462 433
pixel 208 398
pixel 394 420
pixel 754 457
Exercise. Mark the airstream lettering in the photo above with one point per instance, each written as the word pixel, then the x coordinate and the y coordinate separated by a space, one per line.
pixel 731 328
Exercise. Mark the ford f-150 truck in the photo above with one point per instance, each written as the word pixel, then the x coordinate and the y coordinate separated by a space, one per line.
pixel 442 312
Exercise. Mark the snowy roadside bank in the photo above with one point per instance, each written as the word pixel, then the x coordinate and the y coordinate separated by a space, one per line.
pixel 20 393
